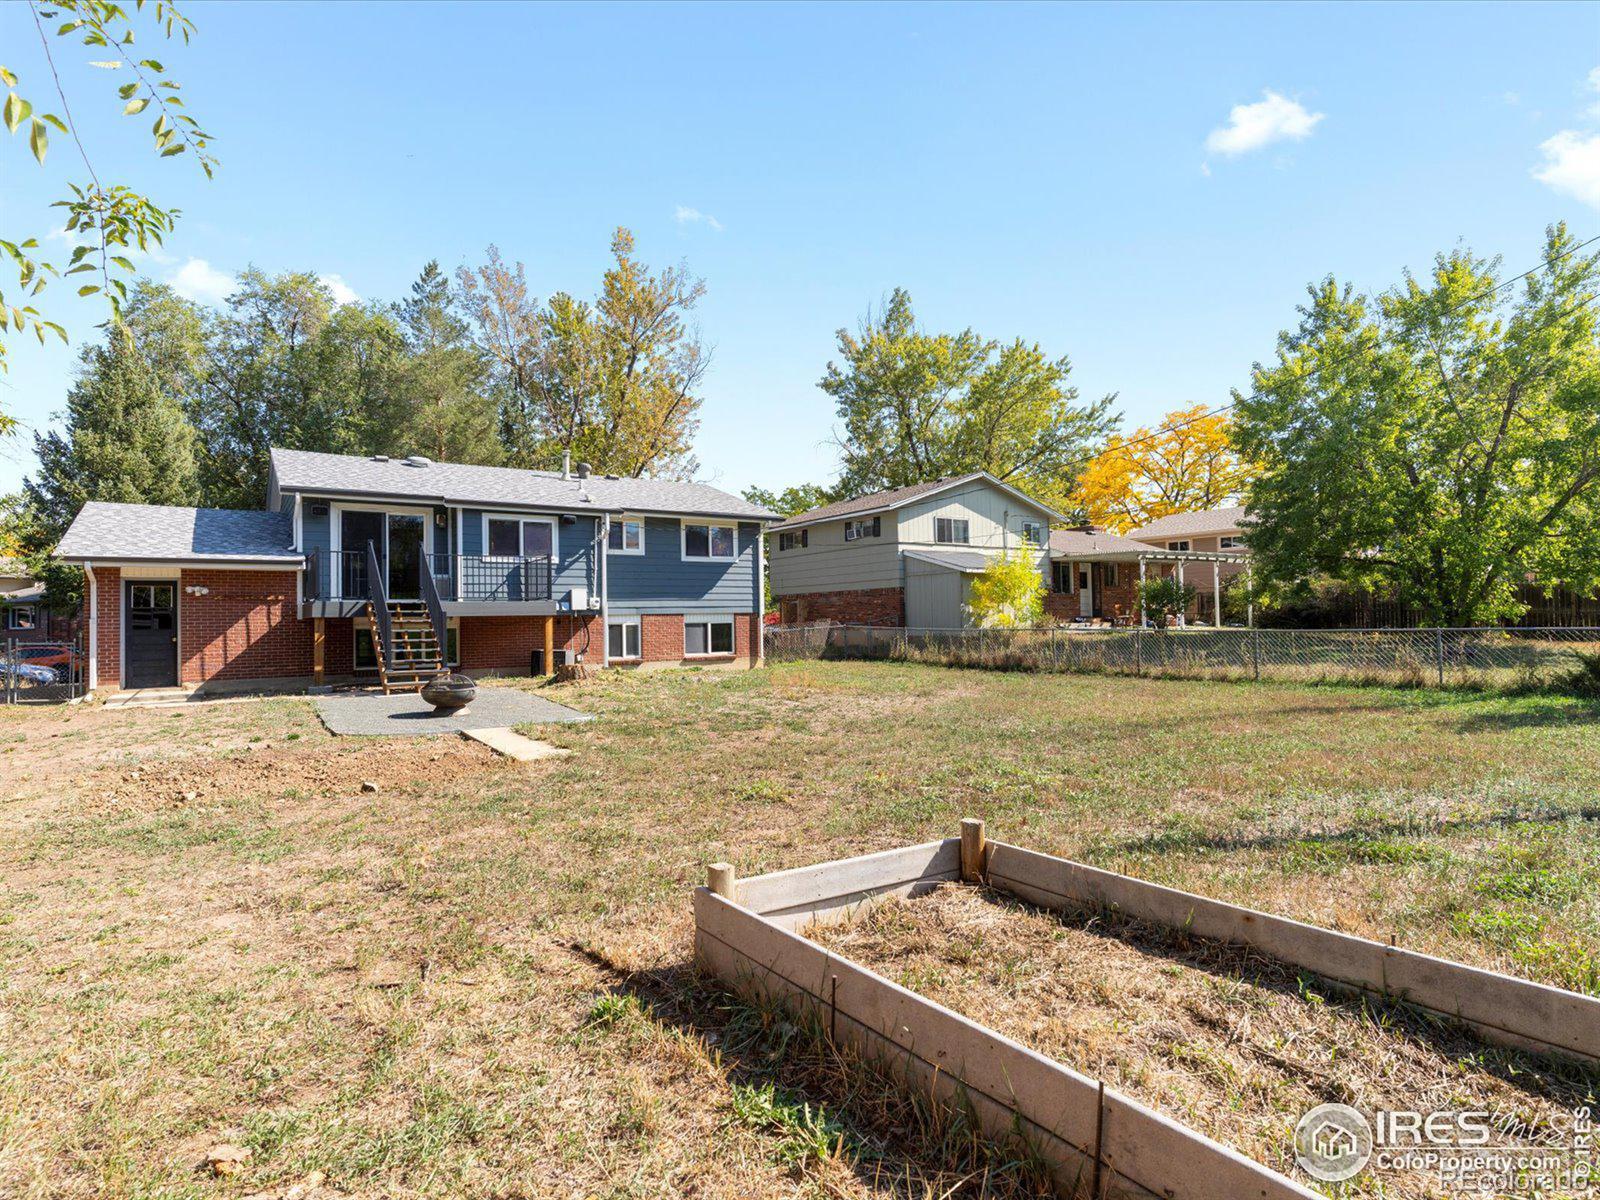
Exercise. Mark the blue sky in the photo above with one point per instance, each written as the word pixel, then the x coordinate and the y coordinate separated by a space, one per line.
pixel 1145 188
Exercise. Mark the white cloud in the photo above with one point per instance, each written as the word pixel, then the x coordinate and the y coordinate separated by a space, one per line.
pixel 198 280
pixel 1251 126
pixel 1572 165
pixel 343 293
pixel 1593 84
pixel 693 216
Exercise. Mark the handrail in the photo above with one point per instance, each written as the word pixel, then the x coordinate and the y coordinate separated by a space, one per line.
pixel 378 596
pixel 430 597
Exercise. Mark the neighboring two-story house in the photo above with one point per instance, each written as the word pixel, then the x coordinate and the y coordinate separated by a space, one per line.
pixel 390 569
pixel 1209 531
pixel 902 557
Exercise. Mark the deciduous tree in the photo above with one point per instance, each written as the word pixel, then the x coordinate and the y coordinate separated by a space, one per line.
pixel 1440 441
pixel 1185 464
pixel 616 382
pixel 802 497
pixel 916 405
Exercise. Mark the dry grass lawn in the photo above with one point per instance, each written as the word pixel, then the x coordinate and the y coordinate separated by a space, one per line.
pixel 474 981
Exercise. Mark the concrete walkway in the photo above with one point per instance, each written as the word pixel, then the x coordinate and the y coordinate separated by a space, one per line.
pixel 406 714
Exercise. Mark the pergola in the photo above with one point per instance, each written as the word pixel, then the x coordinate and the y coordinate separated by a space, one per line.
pixel 1180 557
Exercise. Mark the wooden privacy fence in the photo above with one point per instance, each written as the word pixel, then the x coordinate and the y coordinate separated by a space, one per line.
pixel 749 933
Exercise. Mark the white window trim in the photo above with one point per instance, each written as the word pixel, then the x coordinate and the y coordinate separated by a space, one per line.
pixel 11 616
pixel 954 521
pixel 623 522
pixel 683 541
pixel 1230 541
pixel 336 511
pixel 521 519
pixel 625 656
pixel 1029 541
pixel 709 619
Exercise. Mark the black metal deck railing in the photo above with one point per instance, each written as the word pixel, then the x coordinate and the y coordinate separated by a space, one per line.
pixel 347 574
pixel 493 577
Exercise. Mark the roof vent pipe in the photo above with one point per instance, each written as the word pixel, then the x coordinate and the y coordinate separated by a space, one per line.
pixel 584 470
pixel 566 464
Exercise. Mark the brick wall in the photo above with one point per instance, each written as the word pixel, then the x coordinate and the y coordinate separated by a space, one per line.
pixel 108 633
pixel 507 643
pixel 661 641
pixel 246 626
pixel 866 606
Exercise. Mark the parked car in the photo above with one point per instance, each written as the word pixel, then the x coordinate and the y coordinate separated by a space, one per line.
pixel 43 655
pixel 28 673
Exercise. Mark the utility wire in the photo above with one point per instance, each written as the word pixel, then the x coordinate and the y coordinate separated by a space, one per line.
pixel 1336 359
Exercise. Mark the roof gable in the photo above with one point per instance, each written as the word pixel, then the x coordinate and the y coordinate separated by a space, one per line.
pixel 897 498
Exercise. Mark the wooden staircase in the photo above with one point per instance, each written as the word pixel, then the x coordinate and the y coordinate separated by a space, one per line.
pixel 415 656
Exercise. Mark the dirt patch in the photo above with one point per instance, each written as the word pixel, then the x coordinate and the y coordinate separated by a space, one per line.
pixel 316 770
pixel 1233 1045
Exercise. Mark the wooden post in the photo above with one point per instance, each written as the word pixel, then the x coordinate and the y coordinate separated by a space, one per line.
pixel 549 645
pixel 721 879
pixel 972 844
pixel 318 650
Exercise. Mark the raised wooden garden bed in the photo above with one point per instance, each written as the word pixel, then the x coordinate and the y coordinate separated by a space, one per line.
pixel 752 934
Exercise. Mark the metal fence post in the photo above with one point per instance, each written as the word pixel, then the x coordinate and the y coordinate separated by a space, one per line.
pixel 1438 647
pixel 1138 650
pixel 1255 654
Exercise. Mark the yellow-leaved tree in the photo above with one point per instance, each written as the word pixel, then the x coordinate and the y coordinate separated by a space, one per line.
pixel 1186 463
pixel 1009 592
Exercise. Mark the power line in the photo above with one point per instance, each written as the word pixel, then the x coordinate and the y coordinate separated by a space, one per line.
pixel 1334 361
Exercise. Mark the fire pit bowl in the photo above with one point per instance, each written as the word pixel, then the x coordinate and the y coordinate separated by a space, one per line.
pixel 449 692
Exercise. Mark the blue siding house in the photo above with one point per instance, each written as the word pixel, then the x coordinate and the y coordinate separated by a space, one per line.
pixel 398 568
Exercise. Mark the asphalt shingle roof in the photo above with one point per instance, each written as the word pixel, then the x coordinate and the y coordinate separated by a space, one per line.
pixel 892 498
pixel 159 532
pixel 968 562
pixel 1209 520
pixel 456 483
pixel 1076 543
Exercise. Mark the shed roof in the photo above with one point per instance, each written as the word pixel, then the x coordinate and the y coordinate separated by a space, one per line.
pixel 968 562
pixel 167 533
pixel 507 487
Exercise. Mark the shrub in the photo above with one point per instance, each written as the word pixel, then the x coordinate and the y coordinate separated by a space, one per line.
pixel 1009 592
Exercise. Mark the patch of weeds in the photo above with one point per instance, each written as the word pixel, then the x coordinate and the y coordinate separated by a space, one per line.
pixel 265 1133
pixel 1523 935
pixel 759 791
pixel 611 1009
pixel 1312 854
pixel 805 1136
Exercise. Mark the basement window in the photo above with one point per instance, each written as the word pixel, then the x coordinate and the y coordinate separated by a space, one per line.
pixel 703 636
pixel 622 639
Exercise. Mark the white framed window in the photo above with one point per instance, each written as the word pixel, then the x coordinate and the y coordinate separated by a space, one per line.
pixel 22 616
pixel 1033 532
pixel 951 530
pixel 1230 542
pixel 622 639
pixel 519 537
pixel 855 530
pixel 627 536
pixel 704 637
pixel 1182 546
pixel 793 539
pixel 710 541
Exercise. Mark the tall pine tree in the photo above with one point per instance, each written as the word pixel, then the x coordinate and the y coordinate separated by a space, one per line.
pixel 450 413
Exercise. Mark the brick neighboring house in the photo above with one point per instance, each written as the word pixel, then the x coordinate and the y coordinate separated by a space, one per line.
pixel 488 569
pixel 1209 531
pixel 904 556
pixel 23 615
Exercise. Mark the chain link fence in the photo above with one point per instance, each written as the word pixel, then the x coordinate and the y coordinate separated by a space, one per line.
pixel 1499 658
pixel 36 670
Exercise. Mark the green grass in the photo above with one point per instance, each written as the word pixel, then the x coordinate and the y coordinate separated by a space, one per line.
pixel 400 990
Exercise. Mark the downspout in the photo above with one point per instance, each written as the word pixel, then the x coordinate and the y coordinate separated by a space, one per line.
pixel 759 634
pixel 605 587
pixel 93 674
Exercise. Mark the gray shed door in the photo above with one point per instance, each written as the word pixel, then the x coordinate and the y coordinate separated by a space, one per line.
pixel 934 597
